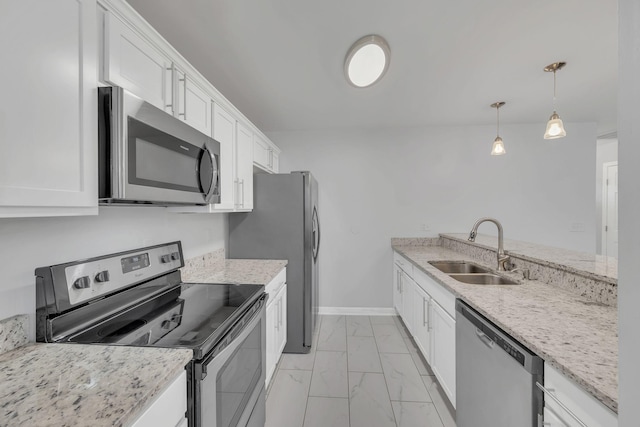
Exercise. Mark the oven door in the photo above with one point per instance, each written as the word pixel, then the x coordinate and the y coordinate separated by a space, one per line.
pixel 148 156
pixel 229 383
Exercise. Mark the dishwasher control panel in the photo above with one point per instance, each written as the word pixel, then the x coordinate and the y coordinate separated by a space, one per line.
pixel 511 350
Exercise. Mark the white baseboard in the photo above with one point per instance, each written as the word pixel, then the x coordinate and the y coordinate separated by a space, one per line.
pixel 359 311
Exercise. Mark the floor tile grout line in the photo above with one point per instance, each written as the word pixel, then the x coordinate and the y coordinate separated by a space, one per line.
pixel 384 376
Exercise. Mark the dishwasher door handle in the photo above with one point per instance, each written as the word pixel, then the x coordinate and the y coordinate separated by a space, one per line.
pixel 484 338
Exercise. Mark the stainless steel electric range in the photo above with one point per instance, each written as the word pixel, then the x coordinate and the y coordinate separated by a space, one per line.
pixel 137 298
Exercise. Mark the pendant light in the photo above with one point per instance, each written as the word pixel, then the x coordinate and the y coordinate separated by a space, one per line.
pixel 555 128
pixel 498 145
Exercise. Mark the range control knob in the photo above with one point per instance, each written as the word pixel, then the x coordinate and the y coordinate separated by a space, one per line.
pixel 103 276
pixel 165 259
pixel 175 256
pixel 82 283
pixel 166 324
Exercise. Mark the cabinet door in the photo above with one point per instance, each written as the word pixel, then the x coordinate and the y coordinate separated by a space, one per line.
pixel 134 64
pixel 422 327
pixel 244 167
pixel 224 132
pixel 194 104
pixel 275 161
pixel 408 295
pixel 271 334
pixel 282 322
pixel 397 294
pixel 261 153
pixel 48 122
pixel 443 341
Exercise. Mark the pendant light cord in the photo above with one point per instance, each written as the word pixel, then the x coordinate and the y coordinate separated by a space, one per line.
pixel 498 125
pixel 554 91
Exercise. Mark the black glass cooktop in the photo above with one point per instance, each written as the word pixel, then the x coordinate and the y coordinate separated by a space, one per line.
pixel 193 316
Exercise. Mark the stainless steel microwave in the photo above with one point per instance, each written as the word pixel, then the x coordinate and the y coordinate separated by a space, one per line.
pixel 147 156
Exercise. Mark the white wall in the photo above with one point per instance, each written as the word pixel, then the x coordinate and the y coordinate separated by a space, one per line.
pixel 629 212
pixel 28 243
pixel 606 151
pixel 375 185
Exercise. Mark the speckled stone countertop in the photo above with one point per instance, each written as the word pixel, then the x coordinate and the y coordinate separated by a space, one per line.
pixel 247 271
pixel 80 385
pixel 574 335
pixel 598 266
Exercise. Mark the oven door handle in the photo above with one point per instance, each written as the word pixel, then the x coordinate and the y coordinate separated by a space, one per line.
pixel 245 325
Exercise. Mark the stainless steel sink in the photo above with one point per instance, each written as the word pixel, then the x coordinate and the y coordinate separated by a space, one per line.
pixel 454 267
pixel 483 279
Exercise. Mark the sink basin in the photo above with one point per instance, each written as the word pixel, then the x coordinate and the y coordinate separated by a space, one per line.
pixel 454 267
pixel 483 279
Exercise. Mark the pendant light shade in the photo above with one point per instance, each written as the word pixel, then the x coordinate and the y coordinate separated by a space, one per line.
pixel 498 145
pixel 555 127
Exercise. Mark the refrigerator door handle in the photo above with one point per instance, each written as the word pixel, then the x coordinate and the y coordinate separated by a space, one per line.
pixel 315 226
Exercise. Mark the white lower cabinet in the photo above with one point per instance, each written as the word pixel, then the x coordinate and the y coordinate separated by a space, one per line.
pixel 443 340
pixel 567 405
pixel 422 323
pixel 428 311
pixel 169 409
pixel 276 325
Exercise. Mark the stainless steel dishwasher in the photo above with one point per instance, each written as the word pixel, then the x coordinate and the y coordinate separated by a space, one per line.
pixel 495 375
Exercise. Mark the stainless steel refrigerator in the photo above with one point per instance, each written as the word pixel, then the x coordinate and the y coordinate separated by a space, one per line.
pixel 284 225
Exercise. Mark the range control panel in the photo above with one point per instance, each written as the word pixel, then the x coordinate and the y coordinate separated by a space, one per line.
pixel 101 276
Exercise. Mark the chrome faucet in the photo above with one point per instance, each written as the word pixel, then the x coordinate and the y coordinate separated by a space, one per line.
pixel 503 259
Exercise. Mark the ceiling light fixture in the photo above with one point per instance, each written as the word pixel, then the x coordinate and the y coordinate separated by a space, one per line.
pixel 498 145
pixel 555 128
pixel 367 61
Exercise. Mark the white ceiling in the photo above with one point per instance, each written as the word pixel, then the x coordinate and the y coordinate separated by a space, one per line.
pixel 281 61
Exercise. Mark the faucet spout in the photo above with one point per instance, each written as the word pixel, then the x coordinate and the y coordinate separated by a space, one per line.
pixel 503 259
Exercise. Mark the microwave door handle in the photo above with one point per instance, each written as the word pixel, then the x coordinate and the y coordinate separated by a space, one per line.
pixel 211 187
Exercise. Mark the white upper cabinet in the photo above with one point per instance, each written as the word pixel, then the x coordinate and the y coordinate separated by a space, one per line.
pixel 244 167
pixel 224 127
pixel 48 122
pixel 133 63
pixel 265 154
pixel 194 104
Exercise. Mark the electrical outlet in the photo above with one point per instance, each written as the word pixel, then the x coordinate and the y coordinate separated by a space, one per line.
pixel 425 227
pixel 577 227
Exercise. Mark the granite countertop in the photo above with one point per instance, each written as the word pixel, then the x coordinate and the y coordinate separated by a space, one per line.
pixel 574 335
pixel 585 264
pixel 245 271
pixel 77 385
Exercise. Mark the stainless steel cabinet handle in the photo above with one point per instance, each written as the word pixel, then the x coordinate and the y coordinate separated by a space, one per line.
pixel 549 392
pixel 171 70
pixel 429 323
pixel 484 338
pixel 241 183
pixel 424 312
pixel 184 96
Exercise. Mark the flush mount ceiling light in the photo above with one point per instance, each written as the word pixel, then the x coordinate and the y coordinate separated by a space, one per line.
pixel 555 128
pixel 367 61
pixel 498 145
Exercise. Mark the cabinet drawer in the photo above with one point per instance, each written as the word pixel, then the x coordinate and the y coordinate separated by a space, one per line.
pixel 443 297
pixel 583 405
pixel 274 286
pixel 403 263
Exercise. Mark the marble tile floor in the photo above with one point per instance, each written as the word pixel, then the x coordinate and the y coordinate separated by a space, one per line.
pixel 362 371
